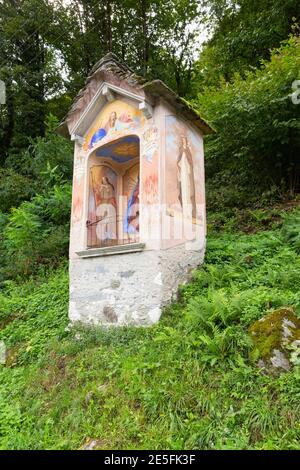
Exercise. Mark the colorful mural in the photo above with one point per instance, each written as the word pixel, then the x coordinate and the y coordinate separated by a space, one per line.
pixel 121 151
pixel 115 119
pixel 149 183
pixel 185 179
pixel 77 204
pixel 150 143
pixel 78 186
pixel 150 166
pixel 131 191
pixel 183 147
pixel 114 215
pixel 102 205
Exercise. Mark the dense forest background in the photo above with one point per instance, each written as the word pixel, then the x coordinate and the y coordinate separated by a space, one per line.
pixel 195 379
pixel 234 61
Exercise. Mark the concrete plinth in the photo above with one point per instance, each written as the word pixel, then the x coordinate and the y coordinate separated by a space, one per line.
pixel 128 289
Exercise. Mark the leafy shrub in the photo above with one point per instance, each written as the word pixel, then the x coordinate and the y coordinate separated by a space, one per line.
pixel 188 382
pixel 38 231
pixel 3 222
pixel 14 189
pixel 47 161
pixel 36 314
pixel 51 156
pixel 291 229
pixel 253 156
pixel 10 417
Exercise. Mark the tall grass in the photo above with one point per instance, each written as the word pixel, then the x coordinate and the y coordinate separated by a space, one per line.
pixel 188 382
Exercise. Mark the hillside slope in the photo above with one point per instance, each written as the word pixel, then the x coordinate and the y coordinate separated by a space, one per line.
pixel 189 382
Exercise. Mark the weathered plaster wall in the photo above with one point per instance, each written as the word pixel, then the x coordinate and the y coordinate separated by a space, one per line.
pixel 79 201
pixel 130 288
pixel 173 128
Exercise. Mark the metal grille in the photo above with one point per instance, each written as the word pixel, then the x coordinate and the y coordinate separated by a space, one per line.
pixel 93 240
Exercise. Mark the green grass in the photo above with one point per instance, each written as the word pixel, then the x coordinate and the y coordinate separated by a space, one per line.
pixel 187 383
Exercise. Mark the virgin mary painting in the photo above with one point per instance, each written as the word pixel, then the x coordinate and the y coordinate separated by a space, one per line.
pixel 131 184
pixel 131 221
pixel 114 124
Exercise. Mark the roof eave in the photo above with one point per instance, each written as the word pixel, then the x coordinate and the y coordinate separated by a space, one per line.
pixel 63 130
pixel 155 89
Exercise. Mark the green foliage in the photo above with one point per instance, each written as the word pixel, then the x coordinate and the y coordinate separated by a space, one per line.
pixel 37 231
pixel 28 72
pixel 14 189
pixel 49 48
pixel 192 376
pixel 254 153
pixel 34 313
pixel 51 157
pixel 267 332
pixel 251 220
pixel 47 160
pixel 10 417
pixel 243 33
pixel 3 222
pixel 291 229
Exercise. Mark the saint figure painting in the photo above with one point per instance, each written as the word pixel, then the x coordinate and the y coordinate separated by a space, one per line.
pixel 185 179
pixel 131 182
pixel 103 205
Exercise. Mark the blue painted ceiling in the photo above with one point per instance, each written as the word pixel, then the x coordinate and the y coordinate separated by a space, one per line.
pixel 122 150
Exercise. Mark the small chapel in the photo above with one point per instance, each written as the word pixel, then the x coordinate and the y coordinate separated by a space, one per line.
pixel 138 225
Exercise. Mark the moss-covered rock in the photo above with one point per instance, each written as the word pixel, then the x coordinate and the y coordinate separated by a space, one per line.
pixel 276 339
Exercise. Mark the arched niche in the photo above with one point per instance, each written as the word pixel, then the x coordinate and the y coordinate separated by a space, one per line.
pixel 113 193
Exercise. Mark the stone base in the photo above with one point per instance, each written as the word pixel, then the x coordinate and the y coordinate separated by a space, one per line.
pixel 128 289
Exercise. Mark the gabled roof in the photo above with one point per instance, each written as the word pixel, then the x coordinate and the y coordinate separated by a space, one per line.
pixel 110 70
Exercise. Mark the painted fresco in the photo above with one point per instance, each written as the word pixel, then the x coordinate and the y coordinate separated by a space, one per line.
pixel 149 172
pixel 78 187
pixel 123 150
pixel 131 189
pixel 182 170
pixel 102 205
pixel 77 206
pixel 115 119
pixel 186 179
pixel 150 144
pixel 150 166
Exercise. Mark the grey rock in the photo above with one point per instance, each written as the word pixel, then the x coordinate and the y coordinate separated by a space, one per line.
pixel 279 360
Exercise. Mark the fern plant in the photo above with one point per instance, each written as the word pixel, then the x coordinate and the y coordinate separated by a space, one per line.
pixel 291 229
